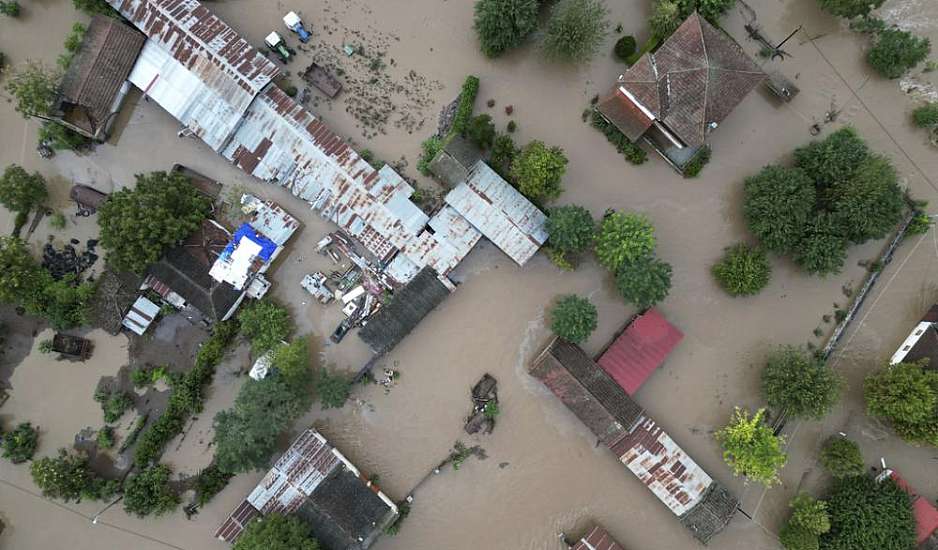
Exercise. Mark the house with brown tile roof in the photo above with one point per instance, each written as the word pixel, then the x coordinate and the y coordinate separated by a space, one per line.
pixel 674 97
pixel 95 84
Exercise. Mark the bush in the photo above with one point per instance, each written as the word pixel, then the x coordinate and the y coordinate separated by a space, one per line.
pixel 20 444
pixel 61 138
pixel 429 149
pixel 10 8
pixel 67 477
pixel 209 483
pixel 849 9
pixel 481 131
pixel 573 318
pixel 148 492
pixel 624 238
pixel 665 18
pixel 624 48
pixel 926 116
pixel 276 532
pixel 777 204
pixel 808 521
pixel 504 24
pixel 693 168
pixel 869 515
pixel 575 30
pixel 751 449
pixel 105 438
pixel 333 389
pixel 920 224
pixel 570 228
pixel 511 126
pixel 503 154
pixel 712 10
pixel 632 152
pixel 906 394
pixel 57 221
pixel 467 97
pixel 841 457
pixel 266 324
pixel 114 404
pixel 743 271
pixel 895 52
pixel 644 282
pixel 538 170
pixel 95 7
pixel 800 384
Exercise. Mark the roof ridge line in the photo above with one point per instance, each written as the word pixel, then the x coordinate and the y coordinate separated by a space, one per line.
pixel 703 43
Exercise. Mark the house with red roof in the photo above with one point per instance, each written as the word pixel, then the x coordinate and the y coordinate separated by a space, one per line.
pixel 639 350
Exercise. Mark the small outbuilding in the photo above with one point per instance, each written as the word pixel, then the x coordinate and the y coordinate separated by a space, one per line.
pixel 141 315
pixel 597 539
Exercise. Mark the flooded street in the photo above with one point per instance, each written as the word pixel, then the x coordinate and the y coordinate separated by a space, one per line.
pixel 544 472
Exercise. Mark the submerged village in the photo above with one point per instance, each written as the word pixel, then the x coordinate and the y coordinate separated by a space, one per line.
pixel 537 274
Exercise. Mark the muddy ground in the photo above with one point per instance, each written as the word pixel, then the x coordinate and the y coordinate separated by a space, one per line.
pixel 544 473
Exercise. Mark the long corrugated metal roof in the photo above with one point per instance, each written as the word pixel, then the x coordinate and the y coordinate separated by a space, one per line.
pixel 270 219
pixel 195 66
pixel 500 213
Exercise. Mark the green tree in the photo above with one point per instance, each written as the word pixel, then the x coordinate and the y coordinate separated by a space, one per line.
pixel 292 360
pixel 21 191
pixel 810 514
pixel 148 492
pixel 573 318
pixel 895 52
pixel 743 271
pixel 870 204
pixel 61 138
pixel 823 248
pixel 624 238
pixel 504 24
pixel 20 444
pixel 138 225
pixel 644 282
pixel 800 384
pixel 850 8
pixel 65 303
pixel 712 10
pixel 624 49
pixel 333 389
pixel 94 7
pixel 834 158
pixel 841 457
pixel 570 228
pixel 19 272
pixel 34 87
pixel 481 131
pixel 538 169
pixel 778 203
pixel 751 449
pixel 926 116
pixel 906 394
pixel 575 30
pixel 10 8
pixel 266 324
pixel 276 532
pixel 793 537
pixel 869 515
pixel 503 154
pixel 665 18
pixel 67 477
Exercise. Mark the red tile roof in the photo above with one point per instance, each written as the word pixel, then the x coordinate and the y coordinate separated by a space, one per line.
pixel 926 515
pixel 639 350
pixel 598 539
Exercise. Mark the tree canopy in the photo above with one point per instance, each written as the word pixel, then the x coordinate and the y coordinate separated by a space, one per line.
pixel 266 324
pixel 800 384
pixel 138 225
pixel 148 492
pixel 823 248
pixel 570 228
pixel 869 204
pixel 481 131
pixel 778 203
pixel 624 238
pixel 751 449
pixel 869 515
pixel 743 271
pixel 895 52
pixel 833 159
pixel 21 191
pixel 19 444
pixel 573 318
pixel 67 477
pixel 34 87
pixel 841 457
pixel 850 8
pixel 504 24
pixel 333 388
pixel 809 520
pixel 276 532
pixel 575 30
pixel 644 282
pixel 906 394
pixel 18 272
pixel 538 169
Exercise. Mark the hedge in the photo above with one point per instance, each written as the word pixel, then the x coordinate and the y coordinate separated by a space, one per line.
pixel 467 99
pixel 632 153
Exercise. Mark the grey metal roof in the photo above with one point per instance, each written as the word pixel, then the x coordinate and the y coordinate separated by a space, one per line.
pixel 195 66
pixel 408 307
pixel 500 213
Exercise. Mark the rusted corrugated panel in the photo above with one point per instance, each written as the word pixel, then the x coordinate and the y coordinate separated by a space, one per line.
pixel 236 522
pixel 500 212
pixel 598 539
pixel 195 66
pixel 651 454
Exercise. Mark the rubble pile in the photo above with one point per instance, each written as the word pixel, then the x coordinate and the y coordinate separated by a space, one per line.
pixel 68 261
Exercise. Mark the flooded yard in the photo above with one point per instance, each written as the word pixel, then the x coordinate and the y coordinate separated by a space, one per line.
pixel 544 472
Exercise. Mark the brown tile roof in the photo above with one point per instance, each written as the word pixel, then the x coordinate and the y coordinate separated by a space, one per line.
pixel 696 78
pixel 103 63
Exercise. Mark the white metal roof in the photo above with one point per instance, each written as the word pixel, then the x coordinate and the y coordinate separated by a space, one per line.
pixel 141 315
pixel 269 219
pixel 500 213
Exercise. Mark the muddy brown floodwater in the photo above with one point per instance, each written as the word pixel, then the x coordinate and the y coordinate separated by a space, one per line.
pixel 544 473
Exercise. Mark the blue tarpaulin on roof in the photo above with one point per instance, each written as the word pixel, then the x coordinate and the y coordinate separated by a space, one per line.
pixel 246 231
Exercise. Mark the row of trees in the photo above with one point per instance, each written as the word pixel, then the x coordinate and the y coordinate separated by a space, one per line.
pixel 574 31
pixel 837 193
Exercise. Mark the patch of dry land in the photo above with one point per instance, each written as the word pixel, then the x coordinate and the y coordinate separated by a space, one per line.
pixel 544 473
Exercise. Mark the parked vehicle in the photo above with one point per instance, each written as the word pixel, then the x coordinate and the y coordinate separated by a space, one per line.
pixel 278 46
pixel 342 330
pixel 295 24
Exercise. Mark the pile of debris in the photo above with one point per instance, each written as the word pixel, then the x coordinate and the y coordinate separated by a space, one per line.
pixel 68 261
pixel 484 406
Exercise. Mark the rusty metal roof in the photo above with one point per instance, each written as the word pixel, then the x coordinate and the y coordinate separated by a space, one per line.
pixel 500 213
pixel 597 539
pixel 195 66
